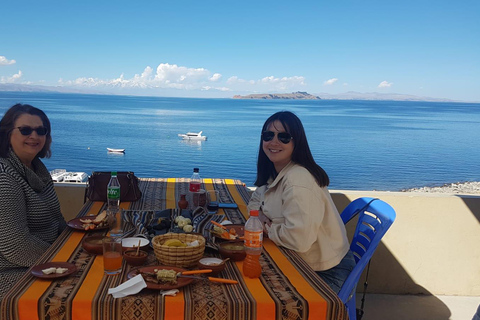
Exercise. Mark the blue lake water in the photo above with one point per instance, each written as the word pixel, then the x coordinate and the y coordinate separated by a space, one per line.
pixel 363 145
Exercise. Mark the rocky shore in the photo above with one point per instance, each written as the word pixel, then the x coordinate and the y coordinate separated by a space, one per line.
pixel 458 188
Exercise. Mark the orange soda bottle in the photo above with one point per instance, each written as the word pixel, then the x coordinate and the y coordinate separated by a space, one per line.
pixel 253 246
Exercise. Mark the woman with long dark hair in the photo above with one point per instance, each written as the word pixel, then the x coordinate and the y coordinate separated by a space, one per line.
pixel 30 217
pixel 294 204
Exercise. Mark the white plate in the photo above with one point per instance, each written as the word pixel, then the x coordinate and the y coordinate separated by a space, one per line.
pixel 132 242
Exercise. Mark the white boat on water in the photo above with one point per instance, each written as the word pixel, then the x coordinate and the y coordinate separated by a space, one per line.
pixel 61 175
pixel 115 150
pixel 192 136
pixel 58 174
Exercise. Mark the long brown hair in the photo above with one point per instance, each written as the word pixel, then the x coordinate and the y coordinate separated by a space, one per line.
pixel 8 122
pixel 301 151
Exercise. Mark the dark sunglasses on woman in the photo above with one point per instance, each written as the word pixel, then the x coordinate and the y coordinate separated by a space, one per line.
pixel 283 137
pixel 26 131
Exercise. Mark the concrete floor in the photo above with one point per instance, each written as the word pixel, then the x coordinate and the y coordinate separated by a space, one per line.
pixel 413 307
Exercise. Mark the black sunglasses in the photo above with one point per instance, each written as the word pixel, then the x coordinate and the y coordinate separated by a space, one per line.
pixel 26 131
pixel 283 137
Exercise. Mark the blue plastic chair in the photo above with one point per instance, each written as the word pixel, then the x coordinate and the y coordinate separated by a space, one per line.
pixel 374 219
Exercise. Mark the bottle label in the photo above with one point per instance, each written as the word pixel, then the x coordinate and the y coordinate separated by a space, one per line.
pixel 113 193
pixel 253 239
pixel 194 186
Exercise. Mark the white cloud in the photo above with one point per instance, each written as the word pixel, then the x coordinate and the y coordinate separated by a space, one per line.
pixel 215 77
pixel 172 76
pixel 385 84
pixel 14 78
pixel 5 62
pixel 235 79
pixel 171 73
pixel 282 84
pixel 165 76
pixel 207 88
pixel 329 82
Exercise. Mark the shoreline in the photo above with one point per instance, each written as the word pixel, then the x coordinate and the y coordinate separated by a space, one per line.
pixel 470 187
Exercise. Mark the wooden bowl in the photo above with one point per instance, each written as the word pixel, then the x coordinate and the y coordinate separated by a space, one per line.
pixel 132 243
pixel 215 264
pixel 93 244
pixel 232 249
pixel 134 260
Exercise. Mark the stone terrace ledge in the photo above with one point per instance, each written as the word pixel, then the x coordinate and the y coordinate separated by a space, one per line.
pixel 427 265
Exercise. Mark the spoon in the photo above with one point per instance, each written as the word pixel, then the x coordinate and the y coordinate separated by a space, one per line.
pixel 138 248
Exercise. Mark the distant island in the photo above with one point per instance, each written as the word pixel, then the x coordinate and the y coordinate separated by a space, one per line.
pixel 350 95
pixel 294 95
pixel 300 95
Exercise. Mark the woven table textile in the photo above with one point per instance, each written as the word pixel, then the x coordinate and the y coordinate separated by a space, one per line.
pixel 287 289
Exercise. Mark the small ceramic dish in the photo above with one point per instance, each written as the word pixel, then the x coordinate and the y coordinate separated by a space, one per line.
pixel 239 230
pixel 93 244
pixel 232 249
pixel 215 264
pixel 132 243
pixel 132 259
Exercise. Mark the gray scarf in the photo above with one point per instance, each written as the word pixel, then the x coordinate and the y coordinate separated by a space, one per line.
pixel 38 178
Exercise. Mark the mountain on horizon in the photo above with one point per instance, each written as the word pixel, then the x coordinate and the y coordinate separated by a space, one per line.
pixel 354 95
pixel 350 95
pixel 14 87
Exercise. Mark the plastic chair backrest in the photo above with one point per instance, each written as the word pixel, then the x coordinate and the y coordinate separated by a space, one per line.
pixel 374 219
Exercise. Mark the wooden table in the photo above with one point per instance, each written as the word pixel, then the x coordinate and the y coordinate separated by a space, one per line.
pixel 287 289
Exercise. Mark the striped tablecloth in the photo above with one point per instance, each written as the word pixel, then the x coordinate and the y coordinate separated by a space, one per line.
pixel 287 289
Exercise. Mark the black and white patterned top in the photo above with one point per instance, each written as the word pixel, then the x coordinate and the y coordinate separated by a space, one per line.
pixel 30 217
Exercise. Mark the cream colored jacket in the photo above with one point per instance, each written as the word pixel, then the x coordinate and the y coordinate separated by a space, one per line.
pixel 304 217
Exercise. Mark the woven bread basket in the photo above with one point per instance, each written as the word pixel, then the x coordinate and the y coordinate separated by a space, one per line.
pixel 182 257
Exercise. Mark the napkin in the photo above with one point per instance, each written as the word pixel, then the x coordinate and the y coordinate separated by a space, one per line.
pixel 172 292
pixel 132 286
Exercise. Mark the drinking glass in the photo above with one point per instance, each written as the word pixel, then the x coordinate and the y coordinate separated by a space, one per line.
pixel 116 224
pixel 198 199
pixel 112 255
pixel 212 201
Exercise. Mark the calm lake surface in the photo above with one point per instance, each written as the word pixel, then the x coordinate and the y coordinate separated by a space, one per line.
pixel 363 145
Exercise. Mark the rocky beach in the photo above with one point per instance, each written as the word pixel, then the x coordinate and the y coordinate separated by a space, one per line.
pixel 471 187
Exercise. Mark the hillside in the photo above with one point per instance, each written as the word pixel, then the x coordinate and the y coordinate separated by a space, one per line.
pixel 293 95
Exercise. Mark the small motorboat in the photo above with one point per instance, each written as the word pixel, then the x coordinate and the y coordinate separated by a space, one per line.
pixel 77 177
pixel 115 150
pixel 58 174
pixel 192 136
pixel 61 175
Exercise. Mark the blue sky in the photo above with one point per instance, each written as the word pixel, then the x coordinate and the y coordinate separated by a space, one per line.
pixel 222 48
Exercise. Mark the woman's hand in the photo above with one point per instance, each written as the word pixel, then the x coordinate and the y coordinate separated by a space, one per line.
pixel 265 221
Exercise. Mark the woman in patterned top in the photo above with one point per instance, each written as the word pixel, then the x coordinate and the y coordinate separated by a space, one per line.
pixel 30 217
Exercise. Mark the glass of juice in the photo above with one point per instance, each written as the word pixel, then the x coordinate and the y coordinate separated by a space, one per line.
pixel 112 255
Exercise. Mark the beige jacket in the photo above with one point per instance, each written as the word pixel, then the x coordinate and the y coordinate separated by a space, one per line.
pixel 304 217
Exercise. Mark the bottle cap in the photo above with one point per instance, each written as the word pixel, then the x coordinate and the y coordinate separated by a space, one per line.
pixel 195 169
pixel 114 173
pixel 254 213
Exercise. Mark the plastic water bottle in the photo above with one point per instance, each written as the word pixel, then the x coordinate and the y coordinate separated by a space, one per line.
pixel 195 193
pixel 253 246
pixel 113 194
pixel 195 181
pixel 113 206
